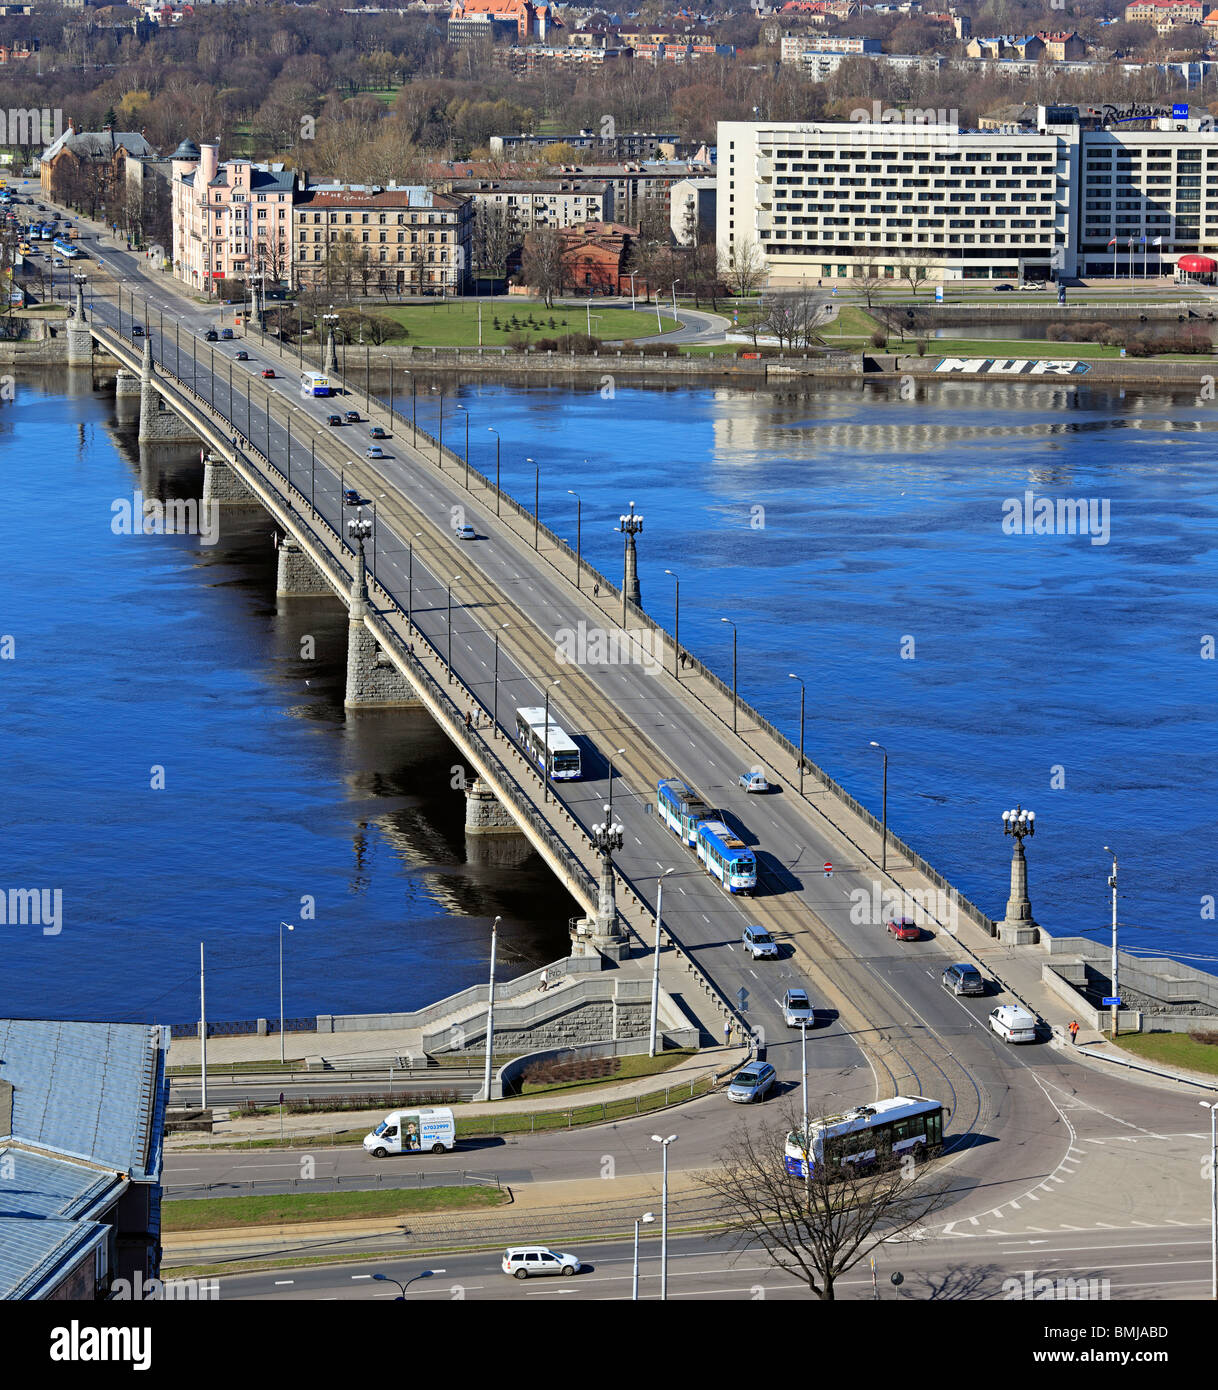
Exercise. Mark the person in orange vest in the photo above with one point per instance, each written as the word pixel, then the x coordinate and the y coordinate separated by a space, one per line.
pixel 1073 1031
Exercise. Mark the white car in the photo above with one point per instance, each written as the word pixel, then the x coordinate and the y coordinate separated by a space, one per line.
pixel 1032 285
pixel 754 781
pixel 523 1260
pixel 759 943
pixel 1013 1024
pixel 466 533
pixel 797 1010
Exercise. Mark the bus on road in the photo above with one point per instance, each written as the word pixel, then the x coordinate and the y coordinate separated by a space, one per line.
pixel 681 808
pixel 563 760
pixel 64 248
pixel 887 1129
pixel 315 384
pixel 725 856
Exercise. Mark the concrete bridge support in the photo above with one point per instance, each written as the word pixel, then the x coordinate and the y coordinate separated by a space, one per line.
pixel 158 424
pixel 126 385
pixel 484 813
pixel 80 337
pixel 223 486
pixel 373 681
pixel 298 576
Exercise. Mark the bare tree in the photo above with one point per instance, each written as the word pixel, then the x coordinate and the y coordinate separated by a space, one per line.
pixel 819 1226
pixel 746 268
pixel 542 265
pixel 493 239
pixel 915 266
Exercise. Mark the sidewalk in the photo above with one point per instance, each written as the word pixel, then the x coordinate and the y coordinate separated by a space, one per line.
pixel 710 1061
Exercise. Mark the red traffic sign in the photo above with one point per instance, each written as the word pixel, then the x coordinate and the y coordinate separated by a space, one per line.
pixel 828 869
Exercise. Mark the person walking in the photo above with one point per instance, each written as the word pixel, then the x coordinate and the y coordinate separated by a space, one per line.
pixel 469 719
pixel 1073 1032
pixel 727 1034
pixel 544 982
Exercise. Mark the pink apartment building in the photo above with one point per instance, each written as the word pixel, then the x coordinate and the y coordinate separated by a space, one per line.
pixel 230 220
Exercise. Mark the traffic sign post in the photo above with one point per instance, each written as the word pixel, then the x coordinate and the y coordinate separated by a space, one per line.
pixel 828 869
pixel 1112 1001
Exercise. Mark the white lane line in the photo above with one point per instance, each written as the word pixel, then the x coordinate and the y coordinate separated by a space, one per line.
pixel 280 1282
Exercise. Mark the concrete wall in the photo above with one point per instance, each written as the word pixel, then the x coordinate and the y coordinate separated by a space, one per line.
pixel 509 1075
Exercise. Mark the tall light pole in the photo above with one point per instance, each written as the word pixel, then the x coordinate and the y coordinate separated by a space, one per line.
pixel 451 582
pixel 630 524
pixel 1018 823
pixel 655 969
pixel 579 532
pixel 646 1219
pixel 676 636
pixel 803 691
pixel 803 1070
pixel 410 577
pixel 884 840
pixel 536 497
pixel 466 414
pixel 1212 1107
pixel 545 772
pixel 732 625
pixel 1116 993
pixel 495 694
pixel 290 927
pixel 203 1031
pixel 490 429
pixel 617 753
pixel 490 1014
pixel 664 1143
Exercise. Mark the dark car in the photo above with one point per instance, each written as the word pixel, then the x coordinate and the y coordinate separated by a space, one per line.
pixel 377 433
pixel 963 979
pixel 999 288
pixel 243 356
pixel 334 419
pixel 352 498
pixel 905 929
pixel 211 336
pixel 352 417
pixel 137 330
pixel 226 333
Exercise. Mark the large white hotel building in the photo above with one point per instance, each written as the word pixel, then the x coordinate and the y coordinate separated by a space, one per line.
pixel 842 199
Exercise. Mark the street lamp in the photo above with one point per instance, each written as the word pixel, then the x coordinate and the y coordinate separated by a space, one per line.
pixel 536 497
pixel 1112 883
pixel 401 1298
pixel 803 691
pixel 1019 823
pixel 290 927
pixel 655 971
pixel 410 577
pixel 676 654
pixel 617 752
pixel 664 1143
pixel 1212 1107
pixel 451 582
pixel 545 773
pixel 466 414
pixel 732 625
pixel 884 840
pixel 579 521
pixel 490 1014
pixel 490 429
pixel 645 1220
pixel 630 524
pixel 495 694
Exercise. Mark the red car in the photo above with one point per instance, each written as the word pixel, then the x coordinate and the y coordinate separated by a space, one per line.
pixel 905 929
pixel 268 371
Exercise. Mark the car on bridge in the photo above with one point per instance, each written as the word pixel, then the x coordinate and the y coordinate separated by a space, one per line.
pixel 377 433
pixel 963 979
pixel 137 330
pixel 211 336
pixel 243 356
pixel 797 1010
pixel 334 419
pixel 269 373
pixel 753 781
pixel 226 334
pixel 466 533
pixel 374 451
pixel 352 417
pixel 523 1260
pixel 751 1082
pixel 759 943
pixel 352 498
pixel 905 929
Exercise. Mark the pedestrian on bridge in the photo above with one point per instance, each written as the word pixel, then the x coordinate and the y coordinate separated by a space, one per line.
pixel 727 1034
pixel 1073 1032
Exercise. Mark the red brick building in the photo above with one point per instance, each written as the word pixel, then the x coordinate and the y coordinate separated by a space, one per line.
pixel 595 255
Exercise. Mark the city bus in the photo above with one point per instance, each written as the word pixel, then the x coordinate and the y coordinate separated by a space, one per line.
pixel 681 808
pixel 315 384
pixel 65 249
pixel 725 856
pixel 564 764
pixel 887 1129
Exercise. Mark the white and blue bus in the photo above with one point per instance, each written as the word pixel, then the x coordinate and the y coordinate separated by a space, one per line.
pixel 681 808
pixel 315 384
pixel 64 248
pixel 726 856
pixel 551 749
pixel 885 1130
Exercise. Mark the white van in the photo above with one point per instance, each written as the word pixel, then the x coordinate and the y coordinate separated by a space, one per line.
pixel 1013 1024
pixel 413 1131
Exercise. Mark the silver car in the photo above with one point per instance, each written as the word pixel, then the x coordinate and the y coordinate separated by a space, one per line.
pixel 797 1010
pixel 759 943
pixel 752 1082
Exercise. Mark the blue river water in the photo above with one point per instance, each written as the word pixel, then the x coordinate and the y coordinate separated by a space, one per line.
pixel 855 538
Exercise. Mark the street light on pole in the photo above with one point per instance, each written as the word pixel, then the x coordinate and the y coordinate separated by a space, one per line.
pixel 536 497
pixel 490 429
pixel 451 582
pixel 617 752
pixel 290 927
pixel 732 625
pixel 579 522
pixel 803 690
pixel 466 414
pixel 676 644
pixel 495 694
pixel 664 1143
pixel 1112 883
pixel 490 1014
pixel 1212 1107
pixel 410 578
pixel 645 1220
pixel 655 970
pixel 401 1298
pixel 545 773
pixel 884 840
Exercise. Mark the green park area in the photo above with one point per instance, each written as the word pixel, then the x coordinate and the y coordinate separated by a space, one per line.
pixel 219 1213
pixel 1193 1052
pixel 454 323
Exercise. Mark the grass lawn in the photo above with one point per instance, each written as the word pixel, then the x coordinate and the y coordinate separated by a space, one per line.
pixel 217 1213
pixel 1172 1049
pixel 631 1067
pixel 453 323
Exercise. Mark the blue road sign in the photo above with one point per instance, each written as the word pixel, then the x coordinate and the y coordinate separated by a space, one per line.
pixel 1179 111
pixel 1110 1001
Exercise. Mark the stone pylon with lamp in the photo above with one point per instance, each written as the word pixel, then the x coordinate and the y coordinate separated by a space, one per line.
pixel 1018 926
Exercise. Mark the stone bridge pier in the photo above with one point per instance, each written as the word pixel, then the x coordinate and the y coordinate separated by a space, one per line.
pixel 373 681
pixel 298 576
pixel 158 424
pixel 79 334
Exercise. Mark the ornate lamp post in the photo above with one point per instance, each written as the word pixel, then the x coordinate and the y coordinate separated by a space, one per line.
pixel 1018 924
pixel 606 839
pixel 630 524
pixel 359 530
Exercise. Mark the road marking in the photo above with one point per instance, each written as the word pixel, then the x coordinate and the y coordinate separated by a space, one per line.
pixel 280 1282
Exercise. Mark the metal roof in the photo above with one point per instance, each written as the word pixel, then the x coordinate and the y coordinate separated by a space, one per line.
pixel 33 1252
pixel 95 1091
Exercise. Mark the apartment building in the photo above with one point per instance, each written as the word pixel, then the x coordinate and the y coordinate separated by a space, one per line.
pixel 401 240
pixel 231 220
pixel 692 210
pixel 795 46
pixel 840 200
pixel 1165 15
pixel 532 203
pixel 632 145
